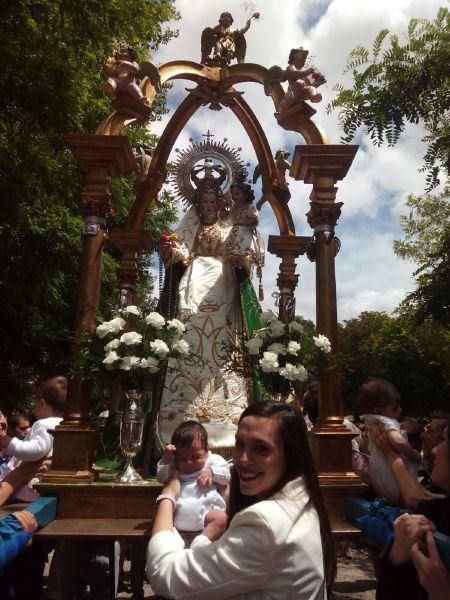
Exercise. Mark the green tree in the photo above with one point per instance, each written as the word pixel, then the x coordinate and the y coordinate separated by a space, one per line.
pixel 400 84
pixel 427 242
pixel 415 358
pixel 51 83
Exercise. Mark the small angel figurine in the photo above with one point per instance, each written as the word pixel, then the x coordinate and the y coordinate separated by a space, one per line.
pixel 224 42
pixel 123 70
pixel 301 87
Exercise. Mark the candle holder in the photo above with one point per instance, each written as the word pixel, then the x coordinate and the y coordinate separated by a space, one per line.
pixel 131 430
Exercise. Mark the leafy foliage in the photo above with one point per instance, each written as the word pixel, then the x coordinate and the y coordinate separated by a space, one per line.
pixel 427 242
pixel 416 358
pixel 51 83
pixel 403 83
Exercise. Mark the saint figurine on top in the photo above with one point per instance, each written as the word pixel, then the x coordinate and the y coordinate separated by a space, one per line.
pixel 224 42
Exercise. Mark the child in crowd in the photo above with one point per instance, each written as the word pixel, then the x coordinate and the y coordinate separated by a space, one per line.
pixel 202 475
pixel 380 402
pixel 18 425
pixel 38 443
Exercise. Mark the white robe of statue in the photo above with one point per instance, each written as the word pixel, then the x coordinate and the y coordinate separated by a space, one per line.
pixel 209 306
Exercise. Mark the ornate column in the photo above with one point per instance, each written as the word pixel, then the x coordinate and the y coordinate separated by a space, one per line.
pixel 130 243
pixel 323 166
pixel 288 248
pixel 100 158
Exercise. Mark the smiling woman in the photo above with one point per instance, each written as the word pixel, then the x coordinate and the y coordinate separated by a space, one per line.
pixel 278 543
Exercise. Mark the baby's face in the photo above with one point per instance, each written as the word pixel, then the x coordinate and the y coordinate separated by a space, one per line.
pixel 191 459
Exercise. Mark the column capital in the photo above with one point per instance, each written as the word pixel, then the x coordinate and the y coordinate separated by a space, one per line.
pixel 111 153
pixel 131 240
pixel 313 162
pixel 100 157
pixel 323 215
pixel 287 245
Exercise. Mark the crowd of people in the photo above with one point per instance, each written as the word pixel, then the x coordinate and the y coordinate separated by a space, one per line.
pixel 257 529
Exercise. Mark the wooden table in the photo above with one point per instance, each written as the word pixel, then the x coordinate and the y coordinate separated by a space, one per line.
pixel 343 530
pixel 137 531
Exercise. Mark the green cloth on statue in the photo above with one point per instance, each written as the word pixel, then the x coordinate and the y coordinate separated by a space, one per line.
pixel 251 319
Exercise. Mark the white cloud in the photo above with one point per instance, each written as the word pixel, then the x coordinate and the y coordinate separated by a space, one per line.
pixel 369 276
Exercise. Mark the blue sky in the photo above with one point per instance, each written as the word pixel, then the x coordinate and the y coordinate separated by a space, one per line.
pixel 369 276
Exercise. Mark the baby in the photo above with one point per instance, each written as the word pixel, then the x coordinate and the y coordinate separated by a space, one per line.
pixel 380 401
pixel 202 475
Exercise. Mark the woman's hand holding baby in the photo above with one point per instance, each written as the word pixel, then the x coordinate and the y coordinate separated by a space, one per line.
pixel 169 453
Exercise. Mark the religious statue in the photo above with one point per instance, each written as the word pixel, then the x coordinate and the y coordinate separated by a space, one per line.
pixel 244 246
pixel 280 186
pixel 281 166
pixel 224 42
pixel 207 278
pixel 123 71
pixel 303 82
pixel 142 153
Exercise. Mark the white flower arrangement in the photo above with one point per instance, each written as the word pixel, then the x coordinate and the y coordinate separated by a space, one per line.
pixel 284 353
pixel 137 346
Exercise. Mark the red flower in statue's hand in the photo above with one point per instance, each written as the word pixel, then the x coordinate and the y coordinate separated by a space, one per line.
pixel 256 15
pixel 315 75
pixel 168 238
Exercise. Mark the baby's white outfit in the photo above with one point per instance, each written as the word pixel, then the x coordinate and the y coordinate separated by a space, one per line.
pixel 381 476
pixel 194 502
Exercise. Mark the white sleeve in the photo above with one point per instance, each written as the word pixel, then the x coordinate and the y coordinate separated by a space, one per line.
pixel 163 471
pixel 220 469
pixel 200 542
pixel 232 565
pixel 39 445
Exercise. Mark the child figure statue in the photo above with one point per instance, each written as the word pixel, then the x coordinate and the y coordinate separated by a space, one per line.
pixel 123 70
pixel 244 246
pixel 301 87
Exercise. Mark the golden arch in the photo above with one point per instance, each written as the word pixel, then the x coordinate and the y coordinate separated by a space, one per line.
pixel 221 80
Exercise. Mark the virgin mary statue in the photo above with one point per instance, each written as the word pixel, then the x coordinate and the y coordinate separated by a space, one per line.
pixel 208 288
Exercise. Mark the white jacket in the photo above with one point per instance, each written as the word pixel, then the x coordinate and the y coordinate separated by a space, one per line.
pixel 271 551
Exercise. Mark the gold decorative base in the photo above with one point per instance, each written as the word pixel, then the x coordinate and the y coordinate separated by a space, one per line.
pixel 73 455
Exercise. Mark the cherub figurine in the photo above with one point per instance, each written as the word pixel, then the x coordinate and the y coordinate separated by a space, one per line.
pixel 301 87
pixel 123 70
pixel 224 42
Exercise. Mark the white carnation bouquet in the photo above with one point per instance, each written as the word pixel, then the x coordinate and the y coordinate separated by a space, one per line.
pixel 132 347
pixel 283 354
